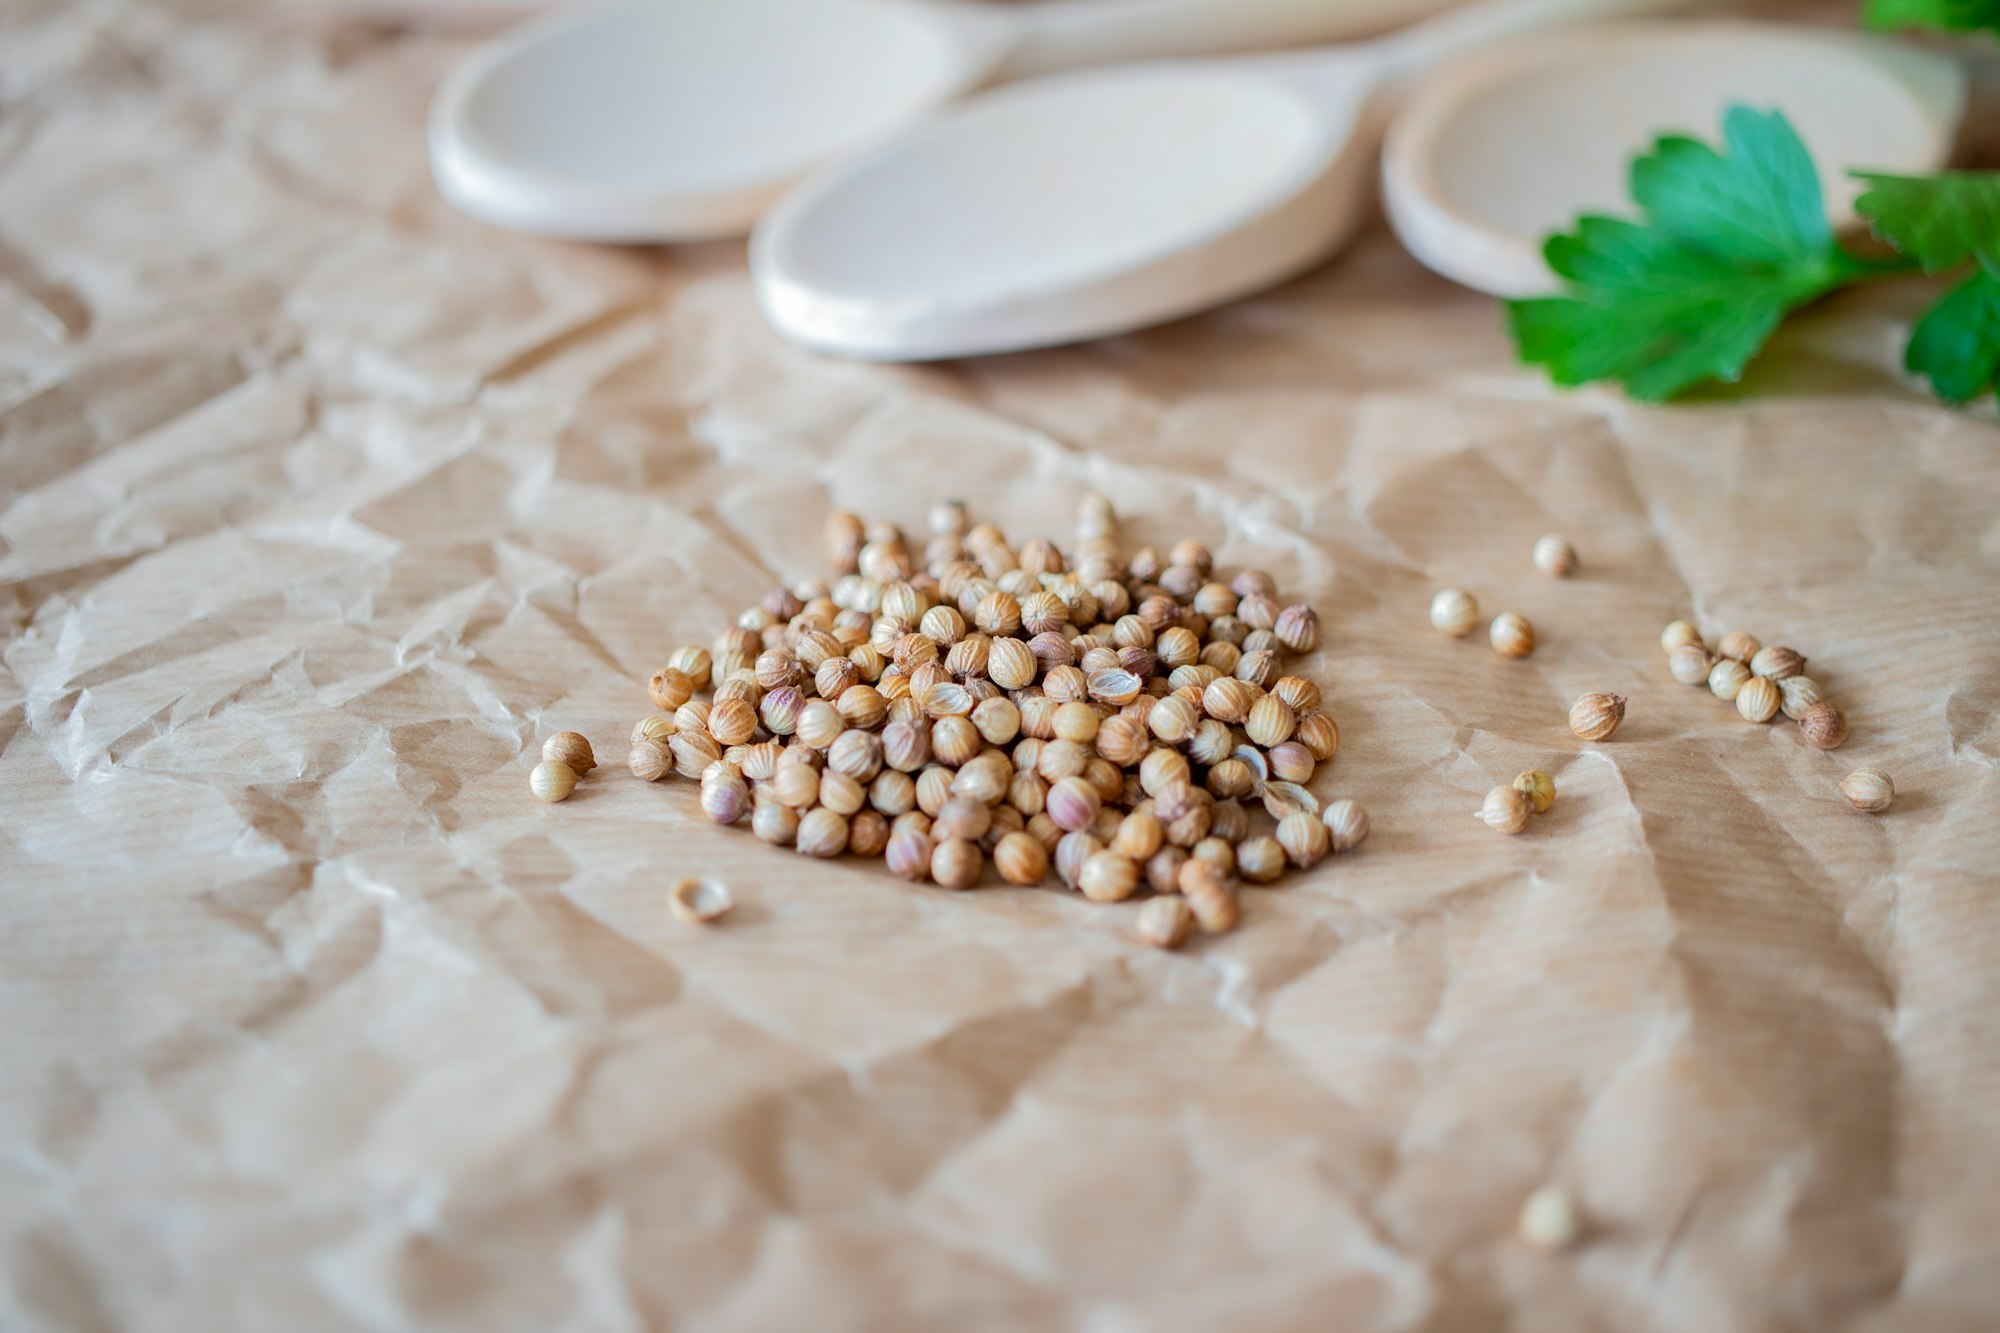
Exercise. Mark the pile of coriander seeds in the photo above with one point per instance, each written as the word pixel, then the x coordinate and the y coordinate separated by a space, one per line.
pixel 1127 723
pixel 1761 681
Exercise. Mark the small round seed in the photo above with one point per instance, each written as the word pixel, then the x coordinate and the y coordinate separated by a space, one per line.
pixel 1690 664
pixel 957 864
pixel 1555 557
pixel 1595 716
pixel 822 833
pixel 1511 635
pixel 1823 725
pixel 1305 839
pixel 1108 877
pixel 1505 810
pixel 1166 922
pixel 1346 821
pixel 1454 611
pixel 572 749
pixel 1758 700
pixel 1020 859
pixel 1868 789
pixel 1738 646
pixel 552 781
pixel 1679 634
pixel 1539 788
pixel 1261 860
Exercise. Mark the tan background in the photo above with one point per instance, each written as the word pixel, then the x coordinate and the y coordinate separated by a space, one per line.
pixel 319 506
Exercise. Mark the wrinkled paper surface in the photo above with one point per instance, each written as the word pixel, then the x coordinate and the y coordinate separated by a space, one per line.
pixel 320 506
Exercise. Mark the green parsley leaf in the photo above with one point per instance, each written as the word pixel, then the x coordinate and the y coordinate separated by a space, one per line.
pixel 1936 15
pixel 1941 221
pixel 1956 345
pixel 1730 244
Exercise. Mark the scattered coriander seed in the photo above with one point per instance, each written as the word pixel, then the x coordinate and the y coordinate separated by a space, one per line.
pixel 1220 851
pixel 1020 859
pixel 1454 611
pixel 1758 700
pixel 1165 922
pixel 1320 734
pixel 1261 859
pixel 693 751
pixel 733 722
pixel 552 781
pixel 1738 646
pixel 1595 716
pixel 1505 810
pixel 699 901
pixel 957 864
pixel 822 833
pixel 1297 628
pixel 1108 877
pixel 1726 678
pixel 909 855
pixel 654 728
pixel 1796 694
pixel 670 689
pixel 649 760
pixel 1512 635
pixel 571 748
pixel 1777 662
pixel 1539 788
pixel 1347 821
pixel 725 799
pixel 1823 725
pixel 1550 1219
pixel 1555 557
pixel 1690 664
pixel 1868 790
pixel 1679 634
pixel 775 823
pixel 1270 722
pixel 1305 839
pixel 694 663
pixel 1291 762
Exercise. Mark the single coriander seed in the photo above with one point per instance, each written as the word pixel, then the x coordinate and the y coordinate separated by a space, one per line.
pixel 1347 822
pixel 650 760
pixel 1823 725
pixel 1555 557
pixel 1166 922
pixel 1454 611
pixel 1726 678
pixel 569 747
pixel 1505 810
pixel 1595 716
pixel 1796 694
pixel 1539 788
pixel 1261 859
pixel 1108 877
pixel 1758 700
pixel 1512 635
pixel 1868 790
pixel 1020 859
pixel 1778 662
pixel 957 864
pixel 1738 646
pixel 1679 634
pixel 552 781
pixel 1690 664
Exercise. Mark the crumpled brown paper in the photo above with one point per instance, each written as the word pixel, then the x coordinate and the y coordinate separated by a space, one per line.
pixel 320 506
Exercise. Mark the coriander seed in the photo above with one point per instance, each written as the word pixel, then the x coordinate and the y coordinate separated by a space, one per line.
pixel 1550 1220
pixel 1555 557
pixel 1758 700
pixel 774 822
pixel 733 722
pixel 1679 634
pixel 1270 722
pixel 1777 662
pixel 1071 853
pixel 655 728
pixel 1823 725
pixel 552 781
pixel 1595 716
pixel 649 760
pixel 726 798
pixel 822 833
pixel 1726 678
pixel 1539 788
pixel 572 749
pixel 909 855
pixel 1291 762
pixel 1020 859
pixel 1505 810
pixel 1320 734
pixel 1108 877
pixel 1166 922
pixel 1347 822
pixel 1297 628
pixel 1454 611
pixel 1261 860
pixel 1305 839
pixel 1511 635
pixel 1738 646
pixel 957 864
pixel 669 689
pixel 1868 790
pixel 1690 664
